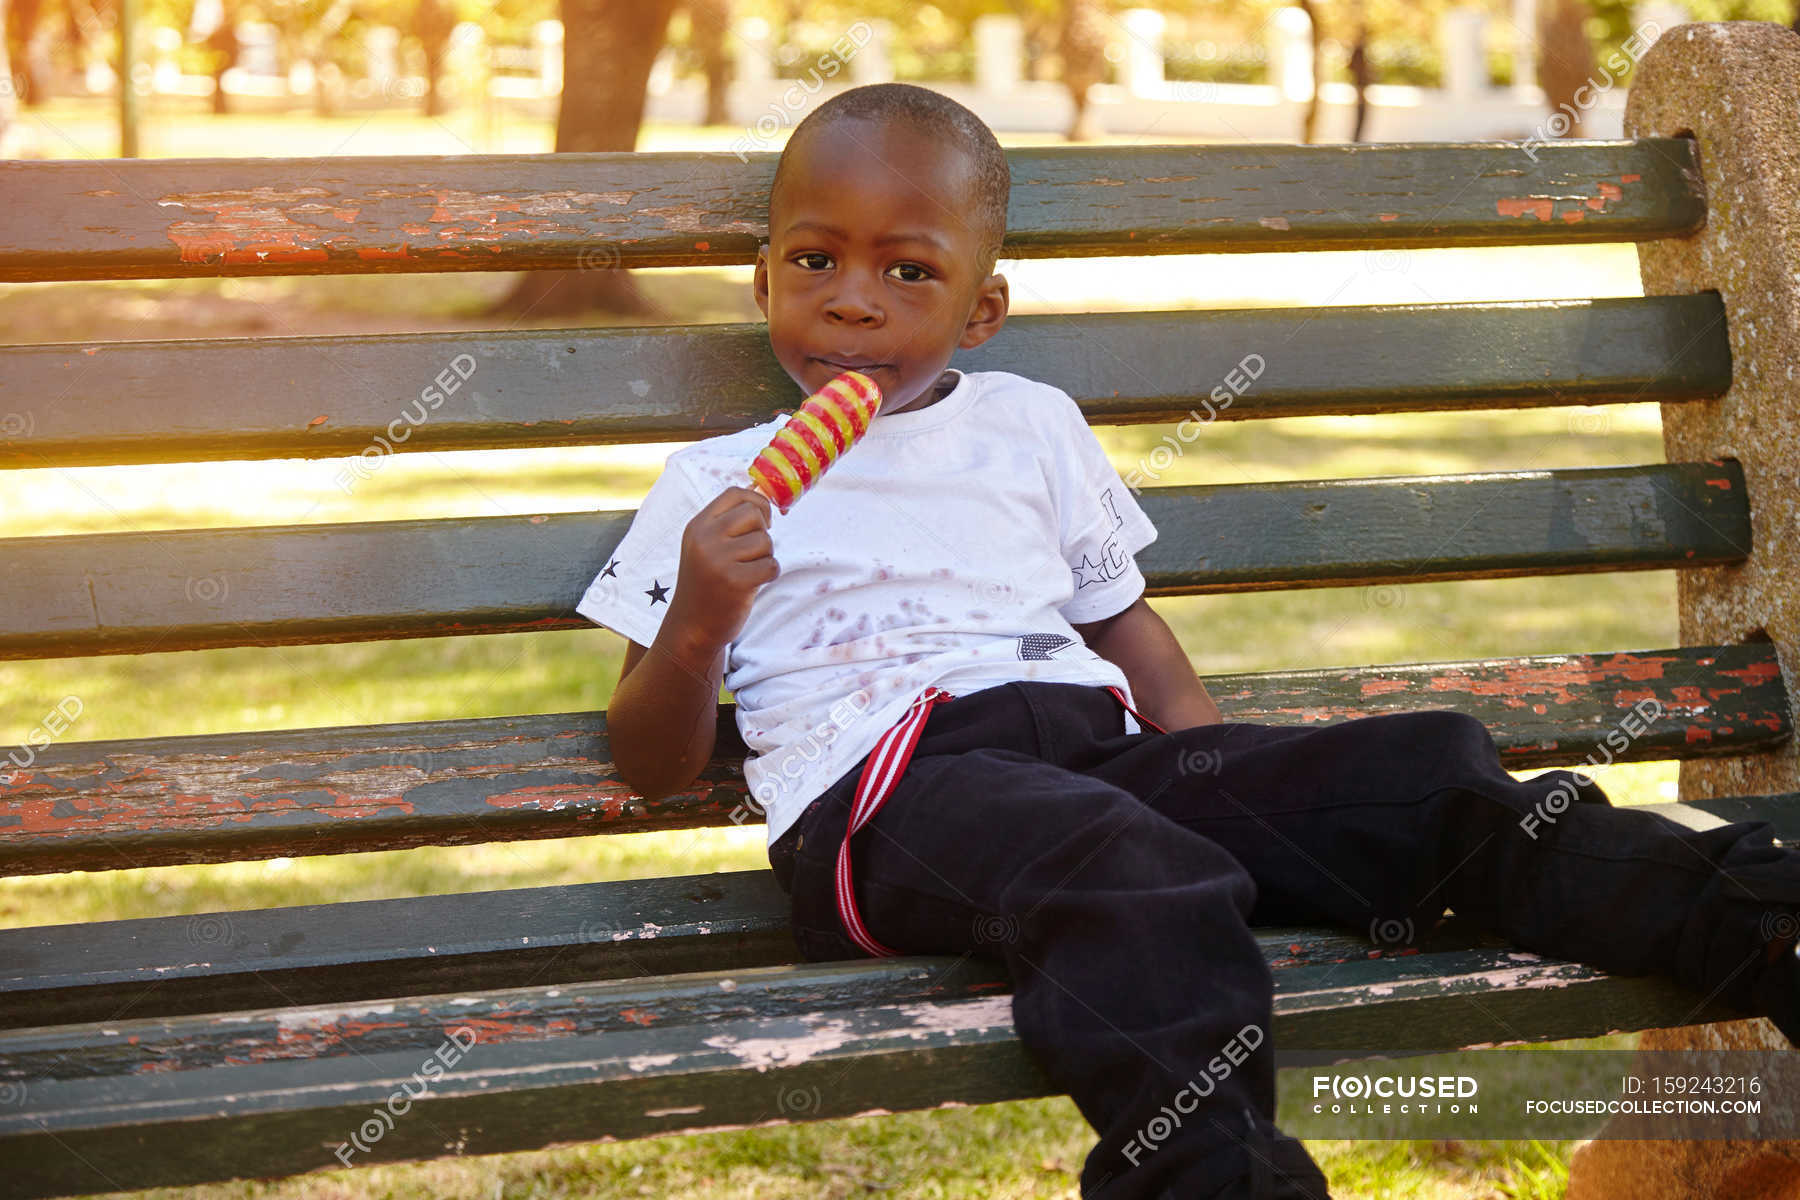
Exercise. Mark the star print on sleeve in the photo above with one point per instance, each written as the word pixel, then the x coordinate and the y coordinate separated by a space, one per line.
pixel 1112 559
pixel 656 591
pixel 611 569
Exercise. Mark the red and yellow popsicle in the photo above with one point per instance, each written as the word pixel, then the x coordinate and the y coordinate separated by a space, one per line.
pixel 828 423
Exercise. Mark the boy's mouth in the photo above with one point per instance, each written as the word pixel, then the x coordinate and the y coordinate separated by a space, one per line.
pixel 850 363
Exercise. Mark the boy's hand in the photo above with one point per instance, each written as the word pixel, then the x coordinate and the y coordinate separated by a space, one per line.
pixel 726 555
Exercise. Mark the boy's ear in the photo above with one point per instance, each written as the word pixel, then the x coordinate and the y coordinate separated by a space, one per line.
pixel 989 313
pixel 759 280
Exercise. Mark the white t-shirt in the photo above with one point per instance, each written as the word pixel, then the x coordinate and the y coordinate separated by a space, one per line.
pixel 952 546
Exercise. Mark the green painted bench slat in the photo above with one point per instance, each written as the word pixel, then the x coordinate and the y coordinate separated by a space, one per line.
pixel 213 798
pixel 834 1040
pixel 364 215
pixel 462 942
pixel 134 402
pixel 132 593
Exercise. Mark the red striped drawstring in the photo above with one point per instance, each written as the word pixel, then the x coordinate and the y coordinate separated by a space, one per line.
pixel 882 770
pixel 886 763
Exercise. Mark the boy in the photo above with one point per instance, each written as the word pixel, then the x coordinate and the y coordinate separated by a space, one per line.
pixel 971 734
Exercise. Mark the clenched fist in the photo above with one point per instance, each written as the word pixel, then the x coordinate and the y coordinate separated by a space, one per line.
pixel 726 554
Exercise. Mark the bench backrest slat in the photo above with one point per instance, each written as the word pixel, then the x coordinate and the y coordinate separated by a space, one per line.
pixel 128 593
pixel 141 402
pixel 171 218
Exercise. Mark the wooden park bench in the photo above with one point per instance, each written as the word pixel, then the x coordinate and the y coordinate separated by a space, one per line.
pixel 134 1053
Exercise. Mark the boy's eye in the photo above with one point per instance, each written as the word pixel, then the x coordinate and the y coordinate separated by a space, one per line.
pixel 822 260
pixel 919 275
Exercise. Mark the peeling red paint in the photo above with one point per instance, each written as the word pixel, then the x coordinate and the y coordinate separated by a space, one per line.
pixel 638 1016
pixel 1387 216
pixel 1629 178
pixel 1756 674
pixel 1698 733
pixel 318 420
pixel 1573 215
pixel 1721 484
pixel 1384 687
pixel 1519 206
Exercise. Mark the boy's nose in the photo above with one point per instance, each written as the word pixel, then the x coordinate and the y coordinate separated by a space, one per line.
pixel 853 305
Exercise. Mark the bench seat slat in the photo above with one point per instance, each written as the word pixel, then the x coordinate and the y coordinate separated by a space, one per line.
pixel 154 218
pixel 881 1047
pixel 134 402
pixel 319 954
pixel 129 593
pixel 209 798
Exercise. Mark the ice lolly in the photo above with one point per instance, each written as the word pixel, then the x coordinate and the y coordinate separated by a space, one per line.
pixel 820 430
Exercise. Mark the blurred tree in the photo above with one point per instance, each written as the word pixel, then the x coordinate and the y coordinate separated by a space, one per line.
pixel 221 43
pixel 26 51
pixel 711 22
pixel 608 48
pixel 1565 57
pixel 433 22
pixel 9 105
pixel 1309 121
pixel 1359 72
pixel 1084 29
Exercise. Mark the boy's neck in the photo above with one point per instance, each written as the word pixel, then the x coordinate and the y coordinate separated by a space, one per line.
pixel 946 383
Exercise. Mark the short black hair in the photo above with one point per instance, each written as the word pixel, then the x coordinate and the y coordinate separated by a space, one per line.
pixel 938 117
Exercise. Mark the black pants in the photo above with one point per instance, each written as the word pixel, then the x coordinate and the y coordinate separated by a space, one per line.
pixel 1117 876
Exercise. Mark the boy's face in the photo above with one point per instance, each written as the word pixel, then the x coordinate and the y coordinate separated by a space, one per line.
pixel 871 262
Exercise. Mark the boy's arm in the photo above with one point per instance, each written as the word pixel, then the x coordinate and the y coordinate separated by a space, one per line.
pixel 662 720
pixel 1162 682
pixel 664 712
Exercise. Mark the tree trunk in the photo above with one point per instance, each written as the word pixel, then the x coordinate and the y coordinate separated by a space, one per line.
pixel 1565 61
pixel 433 22
pixel 223 43
pixel 1083 62
pixel 1359 73
pixel 712 21
pixel 608 48
pixel 26 50
pixel 1309 124
pixel 9 107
